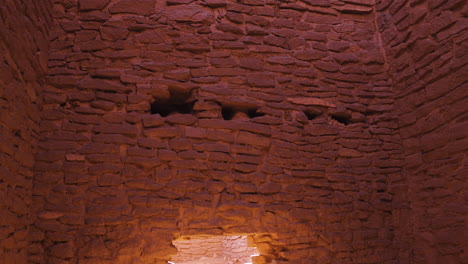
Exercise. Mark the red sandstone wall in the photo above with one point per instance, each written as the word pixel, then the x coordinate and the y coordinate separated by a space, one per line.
pixel 306 158
pixel 426 48
pixel 23 50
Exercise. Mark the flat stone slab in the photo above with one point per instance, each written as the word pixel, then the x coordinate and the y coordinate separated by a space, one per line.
pixel 310 101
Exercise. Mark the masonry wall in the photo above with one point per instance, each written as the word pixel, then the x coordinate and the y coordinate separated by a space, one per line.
pixel 426 50
pixel 177 118
pixel 23 61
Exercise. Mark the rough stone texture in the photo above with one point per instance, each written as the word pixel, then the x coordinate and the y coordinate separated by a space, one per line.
pixel 210 118
pixel 23 59
pixel 426 48
pixel 333 131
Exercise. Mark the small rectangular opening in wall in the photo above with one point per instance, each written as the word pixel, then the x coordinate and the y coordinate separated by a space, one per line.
pixel 214 250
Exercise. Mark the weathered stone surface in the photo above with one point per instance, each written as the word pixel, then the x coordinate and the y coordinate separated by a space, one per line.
pixel 163 132
pixel 421 123
pixel 191 13
pixel 311 101
pixel 324 3
pixel 23 64
pixel 261 80
pixel 114 33
pixel 215 3
pixel 92 4
pixel 293 121
pixel 139 7
pixel 102 85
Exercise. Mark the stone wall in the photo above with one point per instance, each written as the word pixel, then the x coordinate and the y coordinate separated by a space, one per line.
pixel 182 117
pixel 23 59
pixel 334 128
pixel 426 50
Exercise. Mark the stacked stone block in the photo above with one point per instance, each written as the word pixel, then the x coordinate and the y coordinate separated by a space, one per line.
pixel 24 27
pixel 425 45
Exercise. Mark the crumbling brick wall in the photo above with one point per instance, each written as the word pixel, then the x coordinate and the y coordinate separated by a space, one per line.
pixel 426 49
pixel 169 118
pixel 23 58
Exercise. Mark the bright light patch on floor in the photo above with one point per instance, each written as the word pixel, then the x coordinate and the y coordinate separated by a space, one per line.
pixel 213 250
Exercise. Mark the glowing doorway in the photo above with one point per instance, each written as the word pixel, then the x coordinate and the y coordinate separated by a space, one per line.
pixel 214 250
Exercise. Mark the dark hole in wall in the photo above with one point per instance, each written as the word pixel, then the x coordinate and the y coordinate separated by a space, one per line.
pixel 227 113
pixel 108 92
pixel 177 103
pixel 230 113
pixel 311 115
pixel 312 112
pixel 17 133
pixel 342 118
pixel 102 77
pixel 166 108
pixel 254 113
